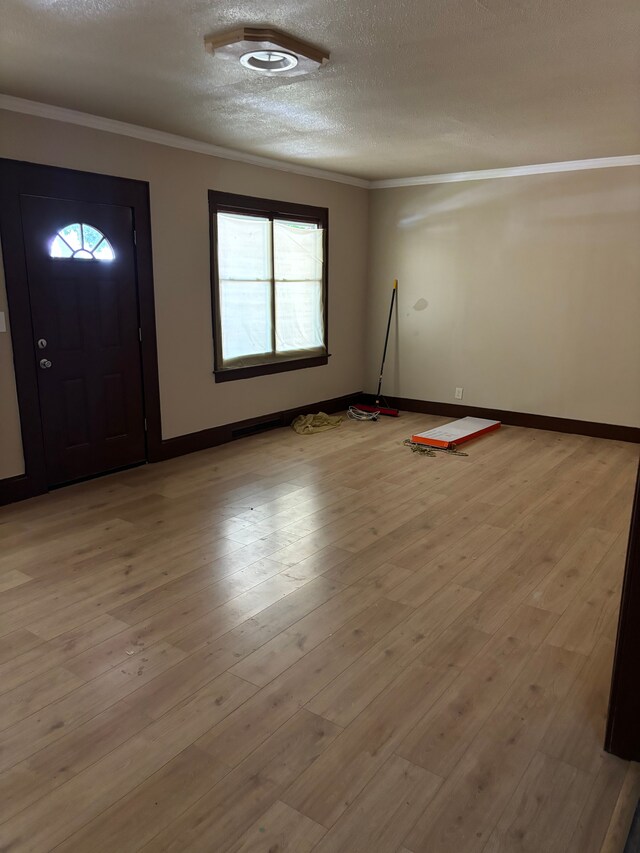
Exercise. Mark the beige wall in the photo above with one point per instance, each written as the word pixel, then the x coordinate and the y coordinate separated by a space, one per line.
pixel 523 291
pixel 179 181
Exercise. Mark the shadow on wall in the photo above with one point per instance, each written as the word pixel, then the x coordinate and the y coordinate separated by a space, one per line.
pixel 557 203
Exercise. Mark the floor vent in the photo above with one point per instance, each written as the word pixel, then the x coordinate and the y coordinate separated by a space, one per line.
pixel 261 426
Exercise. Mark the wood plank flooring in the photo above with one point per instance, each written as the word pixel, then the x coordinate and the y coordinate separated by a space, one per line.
pixel 319 643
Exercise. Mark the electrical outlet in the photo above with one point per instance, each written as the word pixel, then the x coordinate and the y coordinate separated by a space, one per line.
pixel 459 393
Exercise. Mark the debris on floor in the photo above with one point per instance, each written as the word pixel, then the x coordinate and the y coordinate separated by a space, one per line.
pixel 309 424
pixel 425 450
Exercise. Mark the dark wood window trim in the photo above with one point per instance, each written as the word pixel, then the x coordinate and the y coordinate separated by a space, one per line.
pixel 248 205
pixel 17 178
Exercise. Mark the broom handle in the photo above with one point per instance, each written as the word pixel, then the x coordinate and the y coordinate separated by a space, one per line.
pixel 386 338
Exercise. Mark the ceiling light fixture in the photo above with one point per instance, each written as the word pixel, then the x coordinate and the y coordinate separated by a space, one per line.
pixel 267 51
pixel 269 60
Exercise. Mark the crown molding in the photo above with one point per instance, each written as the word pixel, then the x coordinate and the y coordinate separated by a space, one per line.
pixel 160 137
pixel 509 172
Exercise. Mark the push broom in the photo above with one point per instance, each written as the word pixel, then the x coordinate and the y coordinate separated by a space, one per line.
pixel 380 409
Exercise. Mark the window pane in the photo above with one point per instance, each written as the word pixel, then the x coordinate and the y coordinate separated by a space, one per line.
pixel 244 248
pixel 103 251
pixel 298 248
pixel 91 237
pixel 60 249
pixel 73 235
pixel 81 241
pixel 245 314
pixel 300 322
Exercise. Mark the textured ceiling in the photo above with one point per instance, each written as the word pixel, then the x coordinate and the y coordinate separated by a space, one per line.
pixel 413 87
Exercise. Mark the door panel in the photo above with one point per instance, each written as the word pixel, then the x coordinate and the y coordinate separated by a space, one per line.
pixel 91 396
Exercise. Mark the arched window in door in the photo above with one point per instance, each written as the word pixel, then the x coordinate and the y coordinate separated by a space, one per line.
pixel 81 241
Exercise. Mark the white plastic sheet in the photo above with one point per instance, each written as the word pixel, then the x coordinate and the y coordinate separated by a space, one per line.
pixel 269 307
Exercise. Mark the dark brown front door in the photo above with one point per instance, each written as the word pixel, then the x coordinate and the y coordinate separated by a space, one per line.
pixel 81 270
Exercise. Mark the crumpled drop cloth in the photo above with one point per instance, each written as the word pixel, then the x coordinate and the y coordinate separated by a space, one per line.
pixel 308 424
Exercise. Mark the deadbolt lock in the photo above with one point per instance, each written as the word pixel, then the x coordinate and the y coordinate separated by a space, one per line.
pixel 42 343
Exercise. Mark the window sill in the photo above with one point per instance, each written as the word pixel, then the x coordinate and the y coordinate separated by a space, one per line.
pixel 233 373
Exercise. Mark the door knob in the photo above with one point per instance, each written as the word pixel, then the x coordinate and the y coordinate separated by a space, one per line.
pixel 45 364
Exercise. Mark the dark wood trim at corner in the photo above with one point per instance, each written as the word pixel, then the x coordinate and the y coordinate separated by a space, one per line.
pixel 206 438
pixel 18 488
pixel 615 432
pixel 623 732
pixel 232 374
pixel 147 317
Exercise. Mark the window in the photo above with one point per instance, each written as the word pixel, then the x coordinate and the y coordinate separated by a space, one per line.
pixel 269 285
pixel 81 241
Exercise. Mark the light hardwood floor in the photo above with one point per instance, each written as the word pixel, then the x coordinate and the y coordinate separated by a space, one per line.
pixel 319 643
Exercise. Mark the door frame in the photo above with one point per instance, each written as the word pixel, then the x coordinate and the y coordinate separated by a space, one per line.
pixel 18 178
pixel 622 736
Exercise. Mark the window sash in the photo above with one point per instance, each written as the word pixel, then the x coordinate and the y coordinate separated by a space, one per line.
pixel 315 324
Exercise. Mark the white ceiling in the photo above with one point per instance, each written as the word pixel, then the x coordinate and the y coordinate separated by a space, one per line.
pixel 413 87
